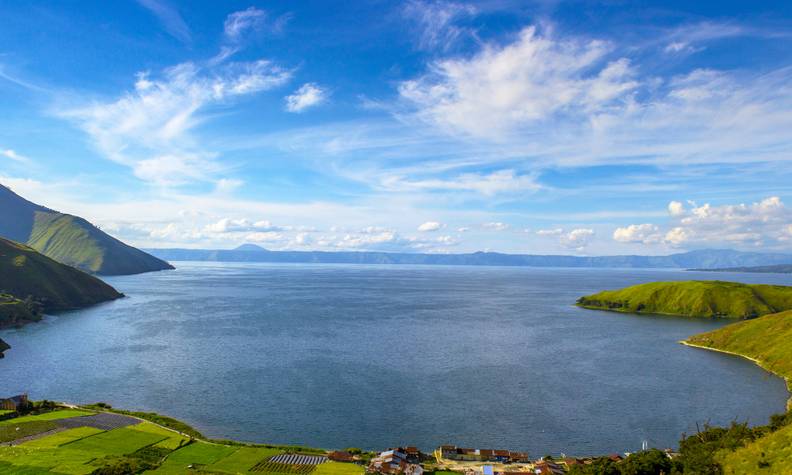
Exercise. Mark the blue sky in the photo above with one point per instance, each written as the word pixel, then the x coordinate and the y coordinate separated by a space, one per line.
pixel 433 126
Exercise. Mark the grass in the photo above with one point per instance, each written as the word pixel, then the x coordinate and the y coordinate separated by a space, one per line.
pixel 54 285
pixel 64 437
pixel 694 299
pixel 337 468
pixel 47 416
pixel 197 453
pixel 242 460
pixel 165 421
pixel 265 466
pixel 24 429
pixel 766 339
pixel 172 440
pixel 116 442
pixel 771 454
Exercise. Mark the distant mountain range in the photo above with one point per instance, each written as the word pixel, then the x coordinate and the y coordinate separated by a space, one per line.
pixel 774 269
pixel 70 239
pixel 707 259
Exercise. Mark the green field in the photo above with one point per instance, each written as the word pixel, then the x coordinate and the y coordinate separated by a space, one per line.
pixel 116 442
pixel 201 453
pixel 242 460
pixel 694 299
pixel 47 416
pixel 23 429
pixel 336 468
pixel 64 437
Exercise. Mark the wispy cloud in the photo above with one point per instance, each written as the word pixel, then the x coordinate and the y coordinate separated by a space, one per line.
pixel 13 155
pixel 149 128
pixel 435 22
pixel 308 95
pixel 238 23
pixel 170 18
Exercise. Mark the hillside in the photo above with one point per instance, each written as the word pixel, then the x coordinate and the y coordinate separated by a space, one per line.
pixel 694 299
pixel 768 340
pixel 775 269
pixel 703 259
pixel 31 283
pixel 70 239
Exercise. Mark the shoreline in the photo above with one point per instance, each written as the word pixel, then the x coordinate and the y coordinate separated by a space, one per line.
pixel 757 362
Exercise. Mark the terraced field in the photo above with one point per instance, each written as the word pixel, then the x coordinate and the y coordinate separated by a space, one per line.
pixel 77 442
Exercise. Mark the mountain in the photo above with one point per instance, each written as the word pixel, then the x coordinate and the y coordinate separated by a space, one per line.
pixel 250 248
pixel 687 260
pixel 776 269
pixel 31 283
pixel 70 239
pixel 694 299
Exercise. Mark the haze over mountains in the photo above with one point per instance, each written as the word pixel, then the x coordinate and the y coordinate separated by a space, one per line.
pixel 705 259
pixel 70 239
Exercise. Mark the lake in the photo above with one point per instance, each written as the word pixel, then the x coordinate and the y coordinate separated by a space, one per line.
pixel 375 356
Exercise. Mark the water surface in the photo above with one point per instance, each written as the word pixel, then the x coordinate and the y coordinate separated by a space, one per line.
pixel 374 356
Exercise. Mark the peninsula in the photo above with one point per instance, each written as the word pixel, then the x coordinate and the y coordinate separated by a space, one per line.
pixel 694 299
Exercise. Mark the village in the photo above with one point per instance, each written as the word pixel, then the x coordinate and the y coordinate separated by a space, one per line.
pixel 450 459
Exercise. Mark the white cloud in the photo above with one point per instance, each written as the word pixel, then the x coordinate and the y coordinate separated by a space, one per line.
pixel 764 223
pixel 149 129
pixel 227 185
pixel 8 153
pixel 430 226
pixel 238 22
pixel 436 22
pixel 502 181
pixel 495 226
pixel 308 95
pixel 227 225
pixel 268 236
pixel 676 208
pixel 642 233
pixel 169 17
pixel 529 80
pixel 577 239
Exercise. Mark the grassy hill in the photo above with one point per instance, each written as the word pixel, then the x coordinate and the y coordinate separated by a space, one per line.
pixel 31 283
pixel 694 299
pixel 70 239
pixel 768 340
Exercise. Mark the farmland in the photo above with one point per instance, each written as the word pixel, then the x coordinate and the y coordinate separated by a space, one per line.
pixel 77 442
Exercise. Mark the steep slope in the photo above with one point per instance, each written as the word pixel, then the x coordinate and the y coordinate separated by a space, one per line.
pixel 767 340
pixel 70 240
pixel 32 282
pixel 694 299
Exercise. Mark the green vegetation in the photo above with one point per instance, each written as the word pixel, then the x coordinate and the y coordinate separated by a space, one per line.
pixel 694 299
pixel 164 421
pixel 69 239
pixel 47 416
pixel 266 466
pixel 768 340
pixel 64 437
pixel 242 460
pixel 770 454
pixel 336 468
pixel 10 432
pixel 32 283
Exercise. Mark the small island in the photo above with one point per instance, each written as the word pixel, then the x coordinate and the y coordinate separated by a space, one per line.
pixel 714 299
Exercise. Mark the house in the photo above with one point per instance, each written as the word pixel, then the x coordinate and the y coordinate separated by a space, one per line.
pixel 394 461
pixel 341 456
pixel 14 403
pixel 452 452
pixel 548 467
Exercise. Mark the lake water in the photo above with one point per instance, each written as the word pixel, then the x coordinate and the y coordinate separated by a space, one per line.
pixel 375 356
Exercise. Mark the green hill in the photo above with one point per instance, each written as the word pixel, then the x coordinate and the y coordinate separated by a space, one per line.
pixel 694 299
pixel 768 340
pixel 70 239
pixel 31 283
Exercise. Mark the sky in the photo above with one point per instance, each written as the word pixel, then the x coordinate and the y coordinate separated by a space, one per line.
pixel 545 127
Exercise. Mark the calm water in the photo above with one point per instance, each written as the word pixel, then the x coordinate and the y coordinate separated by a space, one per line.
pixel 368 356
